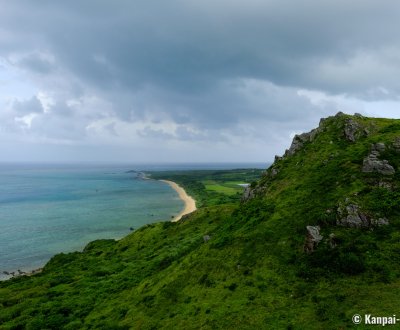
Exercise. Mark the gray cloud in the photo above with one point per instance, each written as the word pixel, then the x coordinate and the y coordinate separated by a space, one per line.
pixel 188 45
pixel 25 107
pixel 206 70
pixel 37 63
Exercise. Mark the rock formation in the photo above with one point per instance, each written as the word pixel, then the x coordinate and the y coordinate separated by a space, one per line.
pixel 353 130
pixel 352 216
pixel 299 140
pixel 372 163
pixel 313 237
pixel 251 192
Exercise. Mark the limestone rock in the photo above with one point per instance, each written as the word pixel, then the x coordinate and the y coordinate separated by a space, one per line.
pixel 352 130
pixel 380 222
pixel 380 146
pixel 350 216
pixel 247 194
pixel 385 184
pixel 372 163
pixel 313 237
pixel 300 139
pixel 250 193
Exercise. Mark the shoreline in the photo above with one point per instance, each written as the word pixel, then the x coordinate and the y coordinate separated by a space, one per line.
pixel 189 207
pixel 20 273
pixel 190 203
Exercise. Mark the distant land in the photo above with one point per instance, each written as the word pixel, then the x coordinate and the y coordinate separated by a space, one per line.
pixel 311 243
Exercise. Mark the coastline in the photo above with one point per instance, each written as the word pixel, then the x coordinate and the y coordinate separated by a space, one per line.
pixel 190 203
pixel 189 207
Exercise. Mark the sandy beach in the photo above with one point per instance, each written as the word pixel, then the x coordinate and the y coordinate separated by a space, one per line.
pixel 190 204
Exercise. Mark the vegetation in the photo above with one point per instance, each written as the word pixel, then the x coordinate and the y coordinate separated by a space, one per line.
pixel 252 272
pixel 211 187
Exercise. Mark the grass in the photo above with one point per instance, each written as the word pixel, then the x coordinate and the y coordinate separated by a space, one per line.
pixel 226 188
pixel 252 273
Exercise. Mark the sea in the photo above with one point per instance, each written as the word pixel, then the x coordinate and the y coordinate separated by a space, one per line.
pixel 47 209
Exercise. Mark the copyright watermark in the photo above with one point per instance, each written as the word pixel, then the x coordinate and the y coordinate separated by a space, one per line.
pixel 370 319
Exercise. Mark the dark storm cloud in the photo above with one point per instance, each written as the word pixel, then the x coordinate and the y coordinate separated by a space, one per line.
pixel 225 65
pixel 189 45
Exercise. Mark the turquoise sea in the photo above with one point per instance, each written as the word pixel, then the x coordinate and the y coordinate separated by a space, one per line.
pixel 48 209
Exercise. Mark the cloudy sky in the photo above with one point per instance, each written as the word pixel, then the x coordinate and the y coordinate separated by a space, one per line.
pixel 188 80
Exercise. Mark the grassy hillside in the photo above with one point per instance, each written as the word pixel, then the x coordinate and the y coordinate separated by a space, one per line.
pixel 244 265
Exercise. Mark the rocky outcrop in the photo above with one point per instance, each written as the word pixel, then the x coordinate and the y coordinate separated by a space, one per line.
pixel 352 216
pixel 379 222
pixel 313 237
pixel 247 194
pixel 372 163
pixel 354 130
pixel 251 192
pixel 299 140
pixel 385 184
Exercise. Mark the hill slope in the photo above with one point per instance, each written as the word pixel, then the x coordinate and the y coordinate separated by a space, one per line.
pixel 315 241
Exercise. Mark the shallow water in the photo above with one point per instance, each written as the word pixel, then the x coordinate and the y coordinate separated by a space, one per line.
pixel 46 210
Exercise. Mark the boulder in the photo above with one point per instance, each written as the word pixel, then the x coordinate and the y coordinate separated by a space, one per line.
pixel 380 146
pixel 380 222
pixel 350 216
pixel 385 184
pixel 372 163
pixel 313 237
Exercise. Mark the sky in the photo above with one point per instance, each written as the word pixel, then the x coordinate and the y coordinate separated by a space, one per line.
pixel 185 80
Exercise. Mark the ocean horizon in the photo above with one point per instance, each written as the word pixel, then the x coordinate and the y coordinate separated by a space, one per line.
pixel 47 209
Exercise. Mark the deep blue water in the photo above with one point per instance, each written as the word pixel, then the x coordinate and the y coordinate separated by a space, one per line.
pixel 48 209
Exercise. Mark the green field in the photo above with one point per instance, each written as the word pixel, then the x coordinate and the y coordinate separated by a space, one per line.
pixel 226 187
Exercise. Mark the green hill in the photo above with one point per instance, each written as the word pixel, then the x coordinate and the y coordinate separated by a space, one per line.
pixel 313 242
